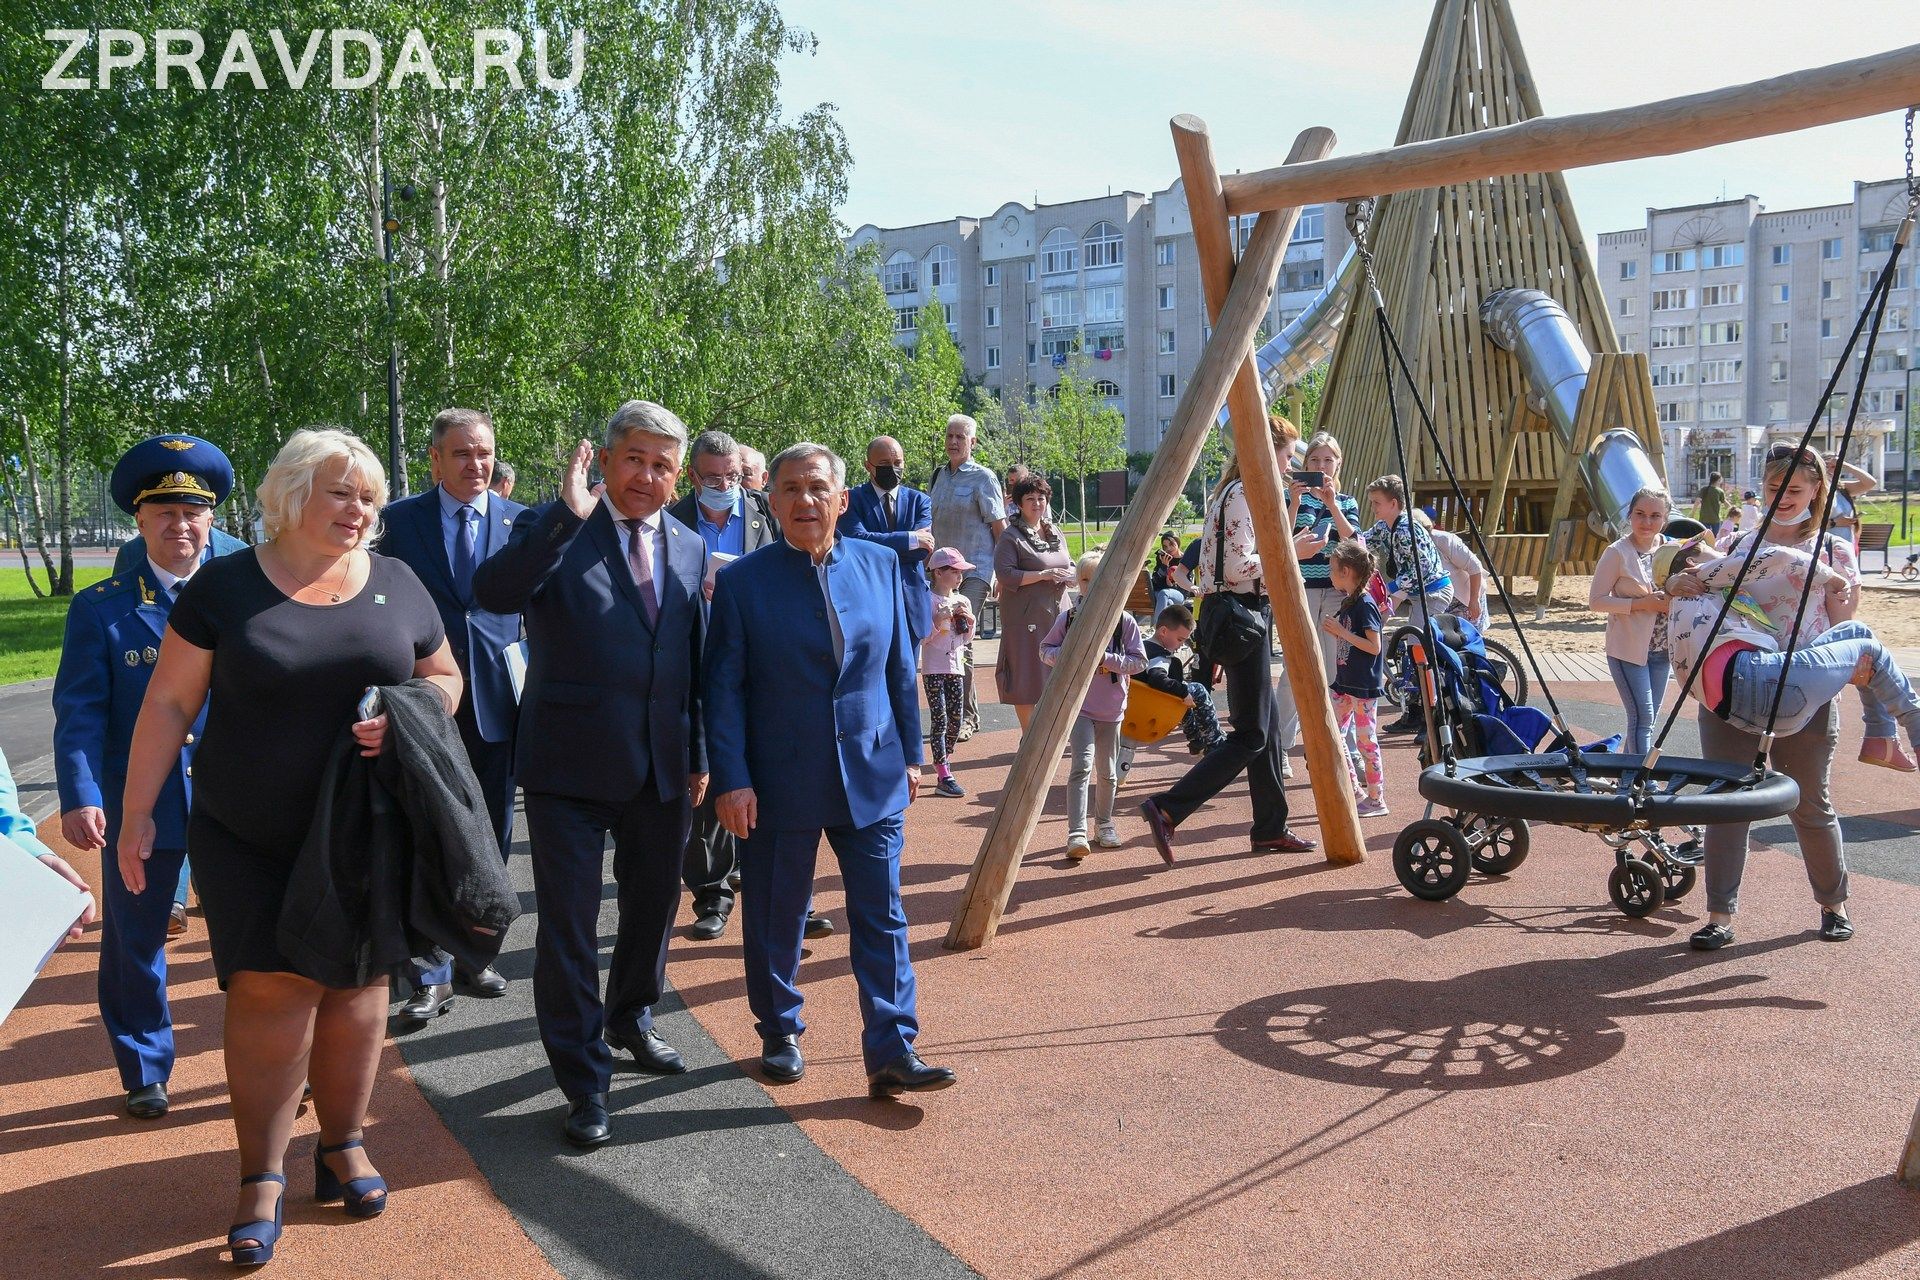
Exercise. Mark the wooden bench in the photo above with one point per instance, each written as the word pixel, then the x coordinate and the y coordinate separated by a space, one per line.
pixel 1876 537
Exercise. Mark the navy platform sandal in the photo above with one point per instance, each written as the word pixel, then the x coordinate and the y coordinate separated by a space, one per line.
pixel 365 1197
pixel 267 1234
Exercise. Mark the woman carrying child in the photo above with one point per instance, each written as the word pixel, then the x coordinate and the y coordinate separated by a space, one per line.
pixel 1094 747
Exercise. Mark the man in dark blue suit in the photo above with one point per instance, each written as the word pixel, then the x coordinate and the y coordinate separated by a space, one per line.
pixel 811 635
pixel 886 511
pixel 610 741
pixel 170 485
pixel 444 535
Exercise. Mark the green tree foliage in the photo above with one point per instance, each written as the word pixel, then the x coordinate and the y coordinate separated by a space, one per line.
pixel 1084 433
pixel 928 393
pixel 212 261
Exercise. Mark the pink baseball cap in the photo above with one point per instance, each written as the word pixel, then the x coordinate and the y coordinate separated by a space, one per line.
pixel 948 558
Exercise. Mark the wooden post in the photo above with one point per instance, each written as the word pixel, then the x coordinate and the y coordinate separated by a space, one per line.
pixel 1867 86
pixel 997 864
pixel 1340 838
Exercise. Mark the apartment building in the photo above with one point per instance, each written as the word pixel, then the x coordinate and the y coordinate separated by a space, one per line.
pixel 1743 314
pixel 1113 277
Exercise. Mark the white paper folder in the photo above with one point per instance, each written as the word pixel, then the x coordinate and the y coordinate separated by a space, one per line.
pixel 38 907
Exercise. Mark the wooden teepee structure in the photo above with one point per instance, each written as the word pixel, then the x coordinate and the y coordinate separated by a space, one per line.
pixel 1439 251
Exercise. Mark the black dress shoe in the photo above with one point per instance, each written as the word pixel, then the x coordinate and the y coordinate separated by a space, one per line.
pixel 907 1074
pixel 1710 937
pixel 486 984
pixel 427 1003
pixel 650 1052
pixel 1285 842
pixel 587 1125
pixel 708 925
pixel 818 926
pixel 780 1058
pixel 1835 927
pixel 1160 828
pixel 149 1102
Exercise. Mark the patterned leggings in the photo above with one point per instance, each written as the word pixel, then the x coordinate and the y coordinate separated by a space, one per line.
pixel 1358 715
pixel 946 703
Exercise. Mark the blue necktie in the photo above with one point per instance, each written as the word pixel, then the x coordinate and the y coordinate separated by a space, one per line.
pixel 463 542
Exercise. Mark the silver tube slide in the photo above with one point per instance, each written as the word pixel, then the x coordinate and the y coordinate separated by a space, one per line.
pixel 1308 338
pixel 1554 360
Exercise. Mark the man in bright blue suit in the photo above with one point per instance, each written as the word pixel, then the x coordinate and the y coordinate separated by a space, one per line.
pixel 444 535
pixel 886 511
pixel 813 727
pixel 610 742
pixel 170 485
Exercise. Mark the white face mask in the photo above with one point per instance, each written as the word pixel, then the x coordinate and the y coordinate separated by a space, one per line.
pixel 1782 518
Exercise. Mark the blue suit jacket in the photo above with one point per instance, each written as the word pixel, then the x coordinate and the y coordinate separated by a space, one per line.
pixel 133 552
pixel 822 746
pixel 609 700
pixel 477 636
pixel 865 518
pixel 112 641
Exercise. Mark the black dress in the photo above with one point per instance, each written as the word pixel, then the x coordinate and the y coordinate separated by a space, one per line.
pixel 287 678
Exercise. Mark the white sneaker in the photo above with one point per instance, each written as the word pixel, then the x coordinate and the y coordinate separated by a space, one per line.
pixel 1373 808
pixel 1286 768
pixel 1107 837
pixel 1077 848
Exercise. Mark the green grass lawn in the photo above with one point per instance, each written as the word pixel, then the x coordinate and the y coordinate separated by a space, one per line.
pixel 30 628
pixel 1881 510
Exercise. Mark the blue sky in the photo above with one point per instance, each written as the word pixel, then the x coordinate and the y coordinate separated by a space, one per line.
pixel 956 108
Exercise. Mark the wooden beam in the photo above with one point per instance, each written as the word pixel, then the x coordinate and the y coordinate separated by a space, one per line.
pixel 997 865
pixel 1849 90
pixel 1293 620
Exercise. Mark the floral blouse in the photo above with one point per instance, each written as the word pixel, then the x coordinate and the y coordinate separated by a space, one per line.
pixel 1762 614
pixel 1241 570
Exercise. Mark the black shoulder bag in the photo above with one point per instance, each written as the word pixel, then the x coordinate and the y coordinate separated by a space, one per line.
pixel 1227 631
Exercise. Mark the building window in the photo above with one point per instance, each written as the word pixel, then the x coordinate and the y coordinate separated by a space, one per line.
pixel 993 357
pixel 1876 239
pixel 1826 290
pixel 990 276
pixel 1776 371
pixel 1827 365
pixel 1059 308
pixel 1672 300
pixel 1166 342
pixel 940 266
pixel 1716 372
pixel 1888 361
pixel 1629 270
pixel 1901 279
pixel 1720 333
pixel 1723 255
pixel 1166 425
pixel 1110 342
pixel 1720 295
pixel 1166 297
pixel 906 319
pixel 1032 353
pixel 1670 335
pixel 1896 321
pixel 1104 246
pixel 1826 327
pixel 1166 386
pixel 1059 252
pixel 1675 411
pixel 900 275
pixel 1673 260
pixel 1628 307
pixel 990 315
pixel 1777 331
pixel 1720 410
pixel 1776 411
pixel 1306 276
pixel 1106 387
pixel 1029 265
pixel 1106 305
pixel 1782 255
pixel 1780 292
pixel 1673 375
pixel 1830 250
pixel 1312 224
pixel 1163 253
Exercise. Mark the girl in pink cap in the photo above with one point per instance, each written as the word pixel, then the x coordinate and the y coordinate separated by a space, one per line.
pixel 943 662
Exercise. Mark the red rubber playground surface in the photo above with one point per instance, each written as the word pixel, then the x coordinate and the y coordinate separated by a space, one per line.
pixel 1243 1065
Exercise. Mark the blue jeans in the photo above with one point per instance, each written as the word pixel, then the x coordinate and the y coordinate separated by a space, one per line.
pixel 1641 686
pixel 1820 672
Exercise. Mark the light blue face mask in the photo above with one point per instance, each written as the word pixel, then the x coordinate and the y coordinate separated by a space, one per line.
pixel 716 499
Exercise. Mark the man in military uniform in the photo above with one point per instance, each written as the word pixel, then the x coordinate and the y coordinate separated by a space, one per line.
pixel 170 486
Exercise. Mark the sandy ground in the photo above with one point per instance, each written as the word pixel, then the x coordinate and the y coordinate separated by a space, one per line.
pixel 1570 626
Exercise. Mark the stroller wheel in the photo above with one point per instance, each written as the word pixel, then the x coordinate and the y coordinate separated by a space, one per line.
pixel 1432 859
pixel 1677 878
pixel 1636 888
pixel 1500 844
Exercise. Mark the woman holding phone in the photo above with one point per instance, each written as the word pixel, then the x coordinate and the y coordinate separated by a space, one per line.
pixel 1317 506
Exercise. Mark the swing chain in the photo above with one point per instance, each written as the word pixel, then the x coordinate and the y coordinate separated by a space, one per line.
pixel 1359 228
pixel 1913 184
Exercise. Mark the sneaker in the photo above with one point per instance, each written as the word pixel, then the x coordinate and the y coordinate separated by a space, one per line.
pixel 965 734
pixel 949 786
pixel 1107 837
pixel 1886 753
pixel 1371 808
pixel 1077 848
pixel 1286 769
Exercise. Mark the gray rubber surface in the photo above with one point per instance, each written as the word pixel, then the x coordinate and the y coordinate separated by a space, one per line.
pixel 704 1176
